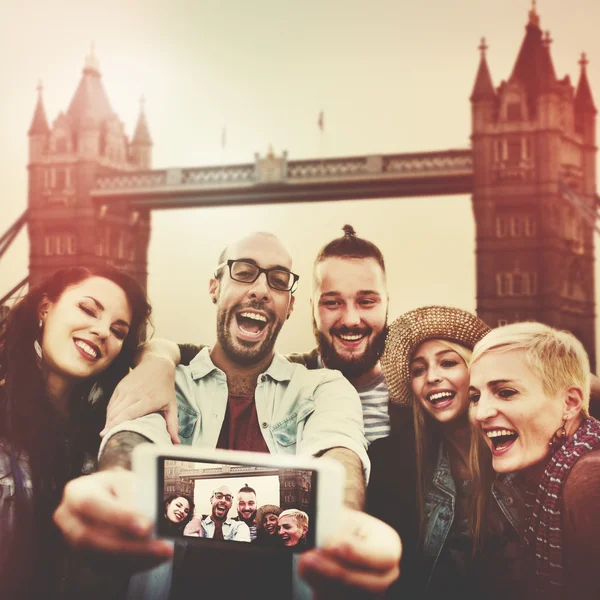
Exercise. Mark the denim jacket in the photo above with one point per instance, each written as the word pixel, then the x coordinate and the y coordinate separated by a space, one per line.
pixel 511 499
pixel 440 504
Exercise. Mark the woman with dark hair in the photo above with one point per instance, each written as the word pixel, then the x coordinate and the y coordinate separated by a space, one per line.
pixel 267 519
pixel 63 348
pixel 179 510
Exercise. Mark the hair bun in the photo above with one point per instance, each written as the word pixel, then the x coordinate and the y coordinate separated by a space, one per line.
pixel 349 231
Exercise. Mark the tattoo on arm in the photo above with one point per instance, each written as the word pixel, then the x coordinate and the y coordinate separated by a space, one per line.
pixel 355 480
pixel 118 449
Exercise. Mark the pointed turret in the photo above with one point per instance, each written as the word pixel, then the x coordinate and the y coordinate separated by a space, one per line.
pixel 141 144
pixel 39 123
pixel 534 68
pixel 584 102
pixel 483 88
pixel 89 106
pixel 39 131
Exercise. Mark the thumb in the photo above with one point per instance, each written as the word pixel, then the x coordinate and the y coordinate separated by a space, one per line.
pixel 172 425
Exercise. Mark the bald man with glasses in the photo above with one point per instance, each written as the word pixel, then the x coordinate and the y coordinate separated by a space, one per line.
pixel 218 525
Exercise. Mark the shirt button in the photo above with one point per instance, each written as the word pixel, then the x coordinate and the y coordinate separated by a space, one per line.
pixel 509 501
pixel 264 425
pixel 263 378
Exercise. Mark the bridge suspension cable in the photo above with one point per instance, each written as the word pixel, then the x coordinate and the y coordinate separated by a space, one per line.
pixel 589 214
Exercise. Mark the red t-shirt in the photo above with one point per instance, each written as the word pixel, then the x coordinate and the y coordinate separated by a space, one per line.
pixel 240 429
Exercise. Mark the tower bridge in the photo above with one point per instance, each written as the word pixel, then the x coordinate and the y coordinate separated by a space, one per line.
pixel 531 173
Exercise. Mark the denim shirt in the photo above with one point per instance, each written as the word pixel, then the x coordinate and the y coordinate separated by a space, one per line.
pixel 440 503
pixel 299 411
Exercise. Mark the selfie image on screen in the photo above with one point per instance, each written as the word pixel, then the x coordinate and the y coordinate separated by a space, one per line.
pixel 265 506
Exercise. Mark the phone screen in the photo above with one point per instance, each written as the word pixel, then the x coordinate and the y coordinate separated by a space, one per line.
pixel 207 502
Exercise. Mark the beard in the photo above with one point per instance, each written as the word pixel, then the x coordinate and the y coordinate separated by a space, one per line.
pixel 250 520
pixel 354 366
pixel 240 351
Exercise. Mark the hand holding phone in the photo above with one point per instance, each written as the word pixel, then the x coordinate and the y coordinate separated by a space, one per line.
pixel 240 500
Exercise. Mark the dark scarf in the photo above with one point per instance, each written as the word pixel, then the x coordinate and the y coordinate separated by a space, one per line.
pixel 545 530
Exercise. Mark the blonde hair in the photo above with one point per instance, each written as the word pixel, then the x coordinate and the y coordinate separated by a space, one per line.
pixel 299 516
pixel 557 357
pixel 428 435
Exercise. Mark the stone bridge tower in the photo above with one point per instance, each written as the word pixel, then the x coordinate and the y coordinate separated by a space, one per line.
pixel 535 250
pixel 65 229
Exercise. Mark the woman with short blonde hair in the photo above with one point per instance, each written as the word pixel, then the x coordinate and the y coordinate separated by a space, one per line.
pixel 529 400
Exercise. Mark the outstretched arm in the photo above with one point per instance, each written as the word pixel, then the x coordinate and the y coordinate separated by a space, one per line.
pixel 354 494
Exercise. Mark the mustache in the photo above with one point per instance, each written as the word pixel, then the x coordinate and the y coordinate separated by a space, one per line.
pixel 344 330
pixel 256 305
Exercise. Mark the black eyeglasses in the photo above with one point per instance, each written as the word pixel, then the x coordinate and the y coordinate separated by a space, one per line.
pixel 220 496
pixel 246 272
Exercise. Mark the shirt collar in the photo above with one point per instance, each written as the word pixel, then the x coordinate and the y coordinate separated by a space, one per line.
pixel 208 519
pixel 280 368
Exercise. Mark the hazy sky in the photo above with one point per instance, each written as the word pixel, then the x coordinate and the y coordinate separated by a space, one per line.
pixel 390 76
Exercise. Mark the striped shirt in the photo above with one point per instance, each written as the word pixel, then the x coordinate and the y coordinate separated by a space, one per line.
pixel 374 397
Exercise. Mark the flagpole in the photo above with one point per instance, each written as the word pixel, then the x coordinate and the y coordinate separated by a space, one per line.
pixel 321 124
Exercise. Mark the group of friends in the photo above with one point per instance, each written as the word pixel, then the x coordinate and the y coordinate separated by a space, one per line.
pixel 477 445
pixel 266 525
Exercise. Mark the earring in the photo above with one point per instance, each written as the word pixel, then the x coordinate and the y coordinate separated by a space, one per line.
pixel 214 300
pixel 38 351
pixel 558 439
pixel 41 323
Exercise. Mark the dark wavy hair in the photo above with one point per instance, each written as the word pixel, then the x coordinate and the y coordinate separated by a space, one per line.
pixel 179 527
pixel 55 449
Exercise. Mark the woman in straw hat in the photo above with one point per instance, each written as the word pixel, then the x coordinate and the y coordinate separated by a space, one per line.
pixel 426 367
pixel 529 398
pixel 267 520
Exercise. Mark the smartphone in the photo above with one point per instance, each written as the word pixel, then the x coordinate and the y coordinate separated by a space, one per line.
pixel 243 500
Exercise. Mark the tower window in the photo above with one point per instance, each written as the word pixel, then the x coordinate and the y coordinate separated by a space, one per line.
pixel 514 111
pixel 500 226
pixel 516 283
pixel 61 145
pixel 60 244
pixel 514 151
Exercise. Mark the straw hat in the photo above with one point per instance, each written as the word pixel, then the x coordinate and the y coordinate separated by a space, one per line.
pixel 413 328
pixel 266 509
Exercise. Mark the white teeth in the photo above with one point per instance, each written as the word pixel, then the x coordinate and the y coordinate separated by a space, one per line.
pixel 254 316
pixel 441 395
pixel 86 348
pixel 498 432
pixel 351 338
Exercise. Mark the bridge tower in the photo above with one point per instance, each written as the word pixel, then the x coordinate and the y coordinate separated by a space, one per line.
pixel 65 229
pixel 535 251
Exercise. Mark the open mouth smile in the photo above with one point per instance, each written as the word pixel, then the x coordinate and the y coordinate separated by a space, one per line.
pixel 350 339
pixel 88 350
pixel 501 439
pixel 440 399
pixel 251 323
pixel 221 509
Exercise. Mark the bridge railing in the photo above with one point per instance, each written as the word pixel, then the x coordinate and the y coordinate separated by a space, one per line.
pixel 277 169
